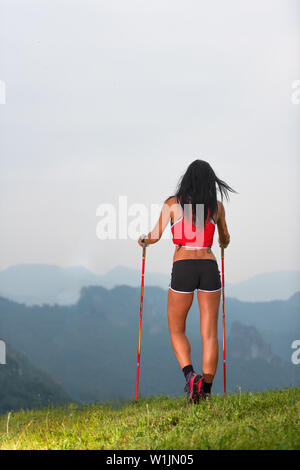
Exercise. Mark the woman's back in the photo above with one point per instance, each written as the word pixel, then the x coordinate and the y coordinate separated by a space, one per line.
pixel 197 252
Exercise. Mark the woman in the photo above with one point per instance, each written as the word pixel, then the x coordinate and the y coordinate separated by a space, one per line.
pixel 194 268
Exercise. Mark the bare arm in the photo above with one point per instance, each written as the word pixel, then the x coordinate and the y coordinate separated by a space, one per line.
pixel 155 235
pixel 224 237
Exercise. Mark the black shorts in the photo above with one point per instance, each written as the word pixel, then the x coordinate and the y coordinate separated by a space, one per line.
pixel 190 274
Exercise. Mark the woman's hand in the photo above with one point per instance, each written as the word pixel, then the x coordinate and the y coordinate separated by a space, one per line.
pixel 223 245
pixel 141 241
pixel 224 236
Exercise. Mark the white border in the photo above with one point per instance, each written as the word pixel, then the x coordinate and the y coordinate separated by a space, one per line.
pixel 203 290
pixel 181 291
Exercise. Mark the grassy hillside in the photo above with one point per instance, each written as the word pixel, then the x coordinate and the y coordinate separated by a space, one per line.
pixel 268 420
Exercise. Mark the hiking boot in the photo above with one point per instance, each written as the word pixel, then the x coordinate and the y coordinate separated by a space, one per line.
pixel 194 387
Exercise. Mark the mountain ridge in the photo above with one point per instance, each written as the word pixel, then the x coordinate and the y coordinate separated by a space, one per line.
pixel 36 284
pixel 80 345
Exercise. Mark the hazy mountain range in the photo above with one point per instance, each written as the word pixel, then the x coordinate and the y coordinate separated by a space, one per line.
pixel 23 385
pixel 90 347
pixel 36 284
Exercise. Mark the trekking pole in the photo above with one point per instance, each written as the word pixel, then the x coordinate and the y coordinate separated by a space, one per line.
pixel 140 328
pixel 223 299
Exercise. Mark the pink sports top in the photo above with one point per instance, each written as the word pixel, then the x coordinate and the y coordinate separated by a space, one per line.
pixel 184 232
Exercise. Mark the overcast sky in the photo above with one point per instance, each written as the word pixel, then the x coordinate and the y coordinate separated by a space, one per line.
pixel 111 98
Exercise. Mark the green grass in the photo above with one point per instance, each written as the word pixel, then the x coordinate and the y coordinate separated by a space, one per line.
pixel 268 420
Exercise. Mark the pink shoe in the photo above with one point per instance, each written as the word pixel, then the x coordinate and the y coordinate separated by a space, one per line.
pixel 194 388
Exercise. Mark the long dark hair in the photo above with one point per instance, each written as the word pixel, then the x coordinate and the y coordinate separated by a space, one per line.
pixel 198 185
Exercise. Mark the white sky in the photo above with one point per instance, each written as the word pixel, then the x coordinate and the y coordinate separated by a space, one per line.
pixel 110 98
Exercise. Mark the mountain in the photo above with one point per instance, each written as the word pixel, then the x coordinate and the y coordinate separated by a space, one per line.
pixel 37 284
pixel 278 321
pixel 24 386
pixel 43 283
pixel 253 361
pixel 91 347
pixel 120 275
pixel 266 286
pixel 295 299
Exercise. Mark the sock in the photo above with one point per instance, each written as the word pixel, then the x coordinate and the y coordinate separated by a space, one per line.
pixel 208 379
pixel 207 387
pixel 187 370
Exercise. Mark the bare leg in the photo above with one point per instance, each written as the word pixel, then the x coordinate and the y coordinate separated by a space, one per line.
pixel 178 307
pixel 209 308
